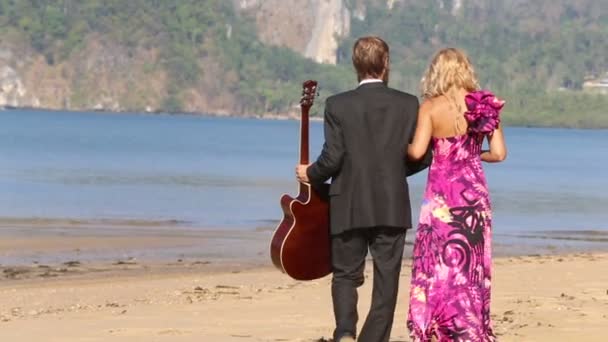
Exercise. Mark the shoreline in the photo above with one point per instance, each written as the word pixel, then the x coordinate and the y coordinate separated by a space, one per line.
pixel 32 249
pixel 29 242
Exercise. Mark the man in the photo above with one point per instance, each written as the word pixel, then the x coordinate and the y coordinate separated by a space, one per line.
pixel 367 131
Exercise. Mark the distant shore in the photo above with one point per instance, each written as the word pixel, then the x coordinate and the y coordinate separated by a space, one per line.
pixel 268 116
pixel 219 114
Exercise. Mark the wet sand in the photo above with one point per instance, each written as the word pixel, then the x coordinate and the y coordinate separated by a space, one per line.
pixel 31 242
pixel 35 241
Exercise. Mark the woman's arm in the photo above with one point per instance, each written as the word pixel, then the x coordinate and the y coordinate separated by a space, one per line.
pixel 424 129
pixel 498 148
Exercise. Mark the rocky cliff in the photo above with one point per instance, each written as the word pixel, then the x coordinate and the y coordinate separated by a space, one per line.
pixel 101 76
pixel 310 27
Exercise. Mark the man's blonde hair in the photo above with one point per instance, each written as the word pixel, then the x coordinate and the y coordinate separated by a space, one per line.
pixel 450 68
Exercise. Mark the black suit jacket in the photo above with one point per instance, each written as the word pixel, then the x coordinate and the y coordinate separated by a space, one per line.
pixel 367 131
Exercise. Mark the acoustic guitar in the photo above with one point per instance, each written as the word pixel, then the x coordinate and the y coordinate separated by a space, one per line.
pixel 300 245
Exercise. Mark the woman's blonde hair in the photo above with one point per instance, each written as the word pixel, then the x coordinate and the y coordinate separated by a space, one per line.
pixel 450 68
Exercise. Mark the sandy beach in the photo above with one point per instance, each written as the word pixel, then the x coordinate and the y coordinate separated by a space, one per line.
pixel 535 298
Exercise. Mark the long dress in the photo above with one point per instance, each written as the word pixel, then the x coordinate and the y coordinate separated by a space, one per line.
pixel 451 270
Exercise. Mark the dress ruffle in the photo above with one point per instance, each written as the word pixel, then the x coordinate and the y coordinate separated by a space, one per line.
pixel 483 111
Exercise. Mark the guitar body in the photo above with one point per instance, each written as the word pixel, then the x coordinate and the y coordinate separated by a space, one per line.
pixel 300 246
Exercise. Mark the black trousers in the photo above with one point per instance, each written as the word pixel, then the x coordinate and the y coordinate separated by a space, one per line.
pixel 349 251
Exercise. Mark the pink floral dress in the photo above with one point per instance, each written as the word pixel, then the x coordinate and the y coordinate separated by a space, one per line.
pixel 451 271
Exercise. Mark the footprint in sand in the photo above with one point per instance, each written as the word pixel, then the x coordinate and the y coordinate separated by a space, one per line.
pixel 147 332
pixel 174 332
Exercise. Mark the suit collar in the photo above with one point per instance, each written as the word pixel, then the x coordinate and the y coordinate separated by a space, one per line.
pixel 370 80
pixel 372 85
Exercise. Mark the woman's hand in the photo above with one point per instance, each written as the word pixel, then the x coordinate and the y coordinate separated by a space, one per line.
pixel 498 148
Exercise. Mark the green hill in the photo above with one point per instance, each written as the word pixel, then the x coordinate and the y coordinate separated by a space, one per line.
pixel 207 55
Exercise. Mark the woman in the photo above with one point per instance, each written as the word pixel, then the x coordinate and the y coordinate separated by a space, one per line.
pixel 450 289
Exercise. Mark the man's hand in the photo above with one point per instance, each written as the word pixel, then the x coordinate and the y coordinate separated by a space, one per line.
pixel 301 173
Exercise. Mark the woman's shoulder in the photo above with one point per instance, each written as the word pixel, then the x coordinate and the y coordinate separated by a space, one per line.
pixel 429 103
pixel 433 105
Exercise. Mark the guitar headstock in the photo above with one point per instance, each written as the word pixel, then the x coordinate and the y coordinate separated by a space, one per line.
pixel 309 91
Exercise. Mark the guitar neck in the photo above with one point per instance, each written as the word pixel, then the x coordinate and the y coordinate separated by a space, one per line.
pixel 304 158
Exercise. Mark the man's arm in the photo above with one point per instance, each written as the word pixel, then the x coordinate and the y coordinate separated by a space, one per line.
pixel 330 160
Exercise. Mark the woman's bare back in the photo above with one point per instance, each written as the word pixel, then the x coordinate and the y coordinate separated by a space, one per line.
pixel 447 114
